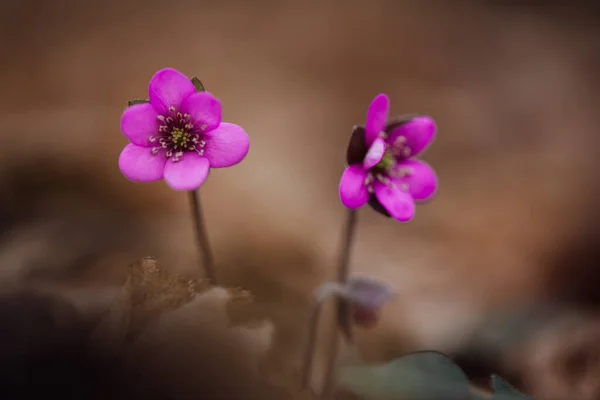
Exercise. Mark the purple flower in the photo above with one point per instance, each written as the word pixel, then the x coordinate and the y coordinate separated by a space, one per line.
pixel 178 135
pixel 382 168
pixel 367 296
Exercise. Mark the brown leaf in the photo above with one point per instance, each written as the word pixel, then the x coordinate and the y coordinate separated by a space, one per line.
pixel 148 292
pixel 154 290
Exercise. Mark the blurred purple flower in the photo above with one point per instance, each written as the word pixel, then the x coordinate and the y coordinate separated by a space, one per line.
pixel 367 296
pixel 382 169
pixel 178 135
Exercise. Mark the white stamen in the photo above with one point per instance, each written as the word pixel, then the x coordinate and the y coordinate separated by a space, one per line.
pixel 383 179
pixel 400 140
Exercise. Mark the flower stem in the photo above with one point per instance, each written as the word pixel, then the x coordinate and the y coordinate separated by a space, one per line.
pixel 309 355
pixel 344 265
pixel 342 310
pixel 202 237
pixel 321 295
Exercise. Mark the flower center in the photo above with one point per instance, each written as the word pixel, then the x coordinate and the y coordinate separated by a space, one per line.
pixel 387 162
pixel 177 135
pixel 387 173
pixel 400 148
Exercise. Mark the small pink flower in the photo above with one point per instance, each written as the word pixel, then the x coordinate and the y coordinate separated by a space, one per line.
pixel 382 168
pixel 178 135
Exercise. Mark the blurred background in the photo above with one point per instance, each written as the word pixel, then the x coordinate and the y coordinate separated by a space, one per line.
pixel 513 230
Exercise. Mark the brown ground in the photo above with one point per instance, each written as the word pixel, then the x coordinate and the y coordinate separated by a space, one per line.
pixel 513 89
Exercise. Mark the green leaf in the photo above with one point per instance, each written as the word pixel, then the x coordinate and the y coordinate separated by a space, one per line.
pixel 137 101
pixel 426 375
pixel 504 391
pixel 198 84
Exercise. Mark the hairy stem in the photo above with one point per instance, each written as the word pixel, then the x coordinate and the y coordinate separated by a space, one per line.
pixel 202 237
pixel 342 318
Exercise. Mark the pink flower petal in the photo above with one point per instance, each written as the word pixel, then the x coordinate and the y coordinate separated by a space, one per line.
pixel 138 164
pixel 398 203
pixel 353 191
pixel 204 109
pixel 138 123
pixel 413 137
pixel 168 88
pixel 375 153
pixel 421 180
pixel 189 173
pixel 227 145
pixel 377 116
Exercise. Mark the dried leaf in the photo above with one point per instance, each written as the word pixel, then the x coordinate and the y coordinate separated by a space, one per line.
pixel 154 290
pixel 148 292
